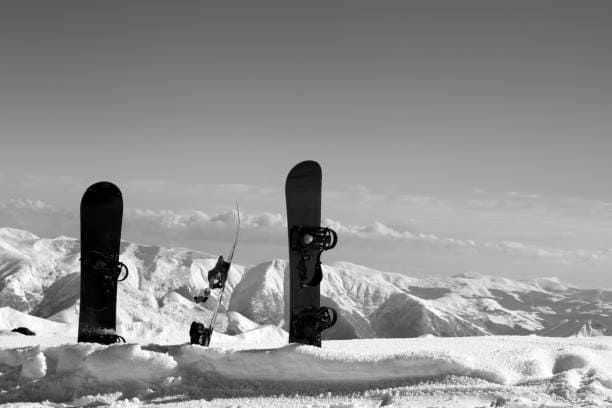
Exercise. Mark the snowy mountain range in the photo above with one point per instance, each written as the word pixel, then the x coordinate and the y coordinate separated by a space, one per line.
pixel 39 279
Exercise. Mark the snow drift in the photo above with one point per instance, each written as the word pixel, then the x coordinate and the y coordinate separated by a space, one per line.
pixel 259 362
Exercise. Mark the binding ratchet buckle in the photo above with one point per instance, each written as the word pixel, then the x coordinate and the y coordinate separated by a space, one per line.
pixel 311 242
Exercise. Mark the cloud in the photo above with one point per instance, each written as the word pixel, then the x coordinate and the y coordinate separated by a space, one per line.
pixel 38 216
pixel 191 228
pixel 482 203
pixel 158 186
pixel 245 189
pixel 553 255
pixel 16 206
pixel 168 226
pixel 379 231
pixel 514 194
pixel 418 240
pixel 358 188
pixel 592 208
pixel 45 182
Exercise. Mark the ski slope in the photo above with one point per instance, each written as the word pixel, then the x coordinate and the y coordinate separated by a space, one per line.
pixel 258 368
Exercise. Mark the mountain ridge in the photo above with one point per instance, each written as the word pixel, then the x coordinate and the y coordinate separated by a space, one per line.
pixel 40 276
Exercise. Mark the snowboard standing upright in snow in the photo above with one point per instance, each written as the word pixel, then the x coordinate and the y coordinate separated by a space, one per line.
pixel 307 240
pixel 101 217
pixel 217 278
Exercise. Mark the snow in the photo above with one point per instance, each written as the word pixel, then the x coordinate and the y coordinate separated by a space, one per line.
pixel 40 276
pixel 10 319
pixel 363 362
pixel 237 323
pixel 259 368
pixel 127 363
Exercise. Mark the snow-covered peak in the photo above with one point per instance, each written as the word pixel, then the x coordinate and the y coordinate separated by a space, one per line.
pixel 552 284
pixel 41 276
pixel 16 235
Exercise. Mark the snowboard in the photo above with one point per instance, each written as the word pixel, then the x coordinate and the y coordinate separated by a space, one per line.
pixel 307 240
pixel 101 218
pixel 217 279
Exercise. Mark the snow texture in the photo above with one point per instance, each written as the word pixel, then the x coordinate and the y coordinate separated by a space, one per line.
pixel 259 365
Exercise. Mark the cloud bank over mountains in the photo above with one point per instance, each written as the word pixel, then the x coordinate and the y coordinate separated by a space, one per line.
pixel 511 233
pixel 188 227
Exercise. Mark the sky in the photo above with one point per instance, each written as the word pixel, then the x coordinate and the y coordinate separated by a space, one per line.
pixel 454 137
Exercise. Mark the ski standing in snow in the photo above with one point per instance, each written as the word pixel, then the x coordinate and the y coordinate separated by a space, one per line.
pixel 101 218
pixel 307 241
pixel 217 278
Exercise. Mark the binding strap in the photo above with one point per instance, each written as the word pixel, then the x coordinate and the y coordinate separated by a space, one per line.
pixel 311 321
pixel 311 242
pixel 109 269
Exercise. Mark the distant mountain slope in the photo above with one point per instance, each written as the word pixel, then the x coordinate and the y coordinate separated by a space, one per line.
pixel 11 319
pixel 41 277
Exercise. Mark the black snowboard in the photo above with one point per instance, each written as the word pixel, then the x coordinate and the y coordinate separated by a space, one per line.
pixel 101 217
pixel 303 196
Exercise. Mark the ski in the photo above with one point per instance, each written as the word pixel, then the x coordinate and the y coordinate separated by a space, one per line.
pixel 217 278
pixel 101 218
pixel 307 241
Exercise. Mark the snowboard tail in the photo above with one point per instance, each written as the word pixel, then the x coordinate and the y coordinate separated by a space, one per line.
pixel 101 218
pixel 307 241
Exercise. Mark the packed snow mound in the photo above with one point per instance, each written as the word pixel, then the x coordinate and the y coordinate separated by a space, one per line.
pixel 41 276
pixel 238 324
pixel 11 319
pixel 268 335
pixel 128 363
pixel 254 364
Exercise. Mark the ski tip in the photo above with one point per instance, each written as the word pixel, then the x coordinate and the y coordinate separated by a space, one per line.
pixel 305 168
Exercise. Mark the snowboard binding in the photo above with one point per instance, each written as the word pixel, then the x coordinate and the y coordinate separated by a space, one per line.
pixel 203 296
pixel 311 242
pixel 310 322
pixel 217 276
pixel 107 265
pixel 108 269
pixel 101 337
pixel 200 334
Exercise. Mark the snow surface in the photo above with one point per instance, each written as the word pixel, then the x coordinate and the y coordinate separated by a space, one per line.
pixel 258 368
